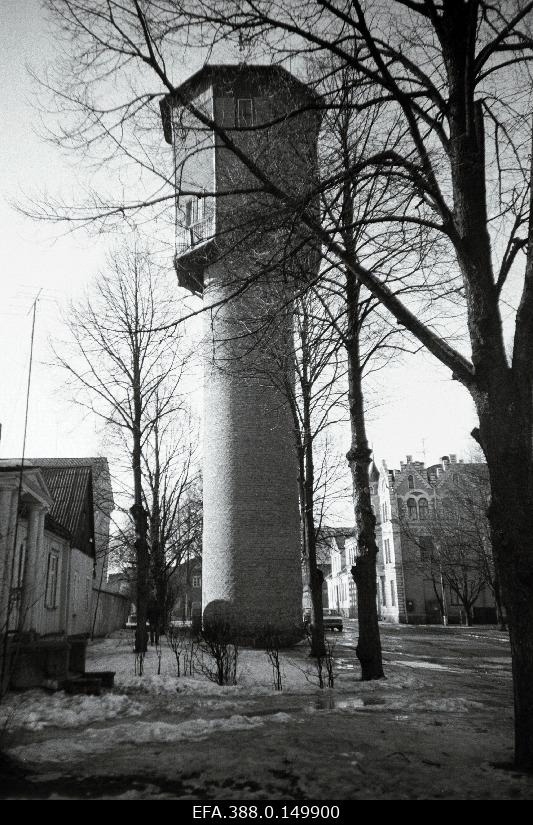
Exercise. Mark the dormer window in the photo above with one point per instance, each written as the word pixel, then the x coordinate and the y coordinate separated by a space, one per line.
pixel 245 112
pixel 411 482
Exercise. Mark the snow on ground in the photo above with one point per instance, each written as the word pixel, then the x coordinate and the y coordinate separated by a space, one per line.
pixel 98 740
pixel 437 726
pixel 36 710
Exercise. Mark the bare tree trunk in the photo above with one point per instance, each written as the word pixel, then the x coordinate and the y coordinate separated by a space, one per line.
pixel 506 440
pixel 157 553
pixel 359 457
pixel 304 435
pixel 139 515
pixel 496 590
pixel 315 579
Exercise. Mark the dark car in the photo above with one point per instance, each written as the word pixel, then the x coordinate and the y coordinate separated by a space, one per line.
pixel 332 620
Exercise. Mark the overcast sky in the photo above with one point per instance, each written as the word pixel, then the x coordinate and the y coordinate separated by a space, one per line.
pixel 421 409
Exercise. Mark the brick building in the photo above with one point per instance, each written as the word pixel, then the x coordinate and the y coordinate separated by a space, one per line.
pixel 418 512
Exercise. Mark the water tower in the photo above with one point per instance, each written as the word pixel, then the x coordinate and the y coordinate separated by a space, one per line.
pixel 242 248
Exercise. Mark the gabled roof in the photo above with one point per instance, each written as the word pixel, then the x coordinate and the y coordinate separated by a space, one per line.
pixel 69 488
pixel 102 489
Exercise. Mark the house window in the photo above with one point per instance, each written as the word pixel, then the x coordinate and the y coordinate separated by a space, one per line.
pixel 383 591
pixel 387 551
pixel 245 112
pixel 411 482
pixel 392 594
pixel 20 564
pixel 196 581
pixel 75 592
pixel 51 580
pixel 385 512
pixel 411 508
pixel 423 509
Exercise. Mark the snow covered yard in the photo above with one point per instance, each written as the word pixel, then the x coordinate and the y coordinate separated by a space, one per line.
pixel 439 726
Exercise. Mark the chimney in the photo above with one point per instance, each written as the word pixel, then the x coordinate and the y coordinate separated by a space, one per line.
pixel 445 462
pixel 453 458
pixel 409 459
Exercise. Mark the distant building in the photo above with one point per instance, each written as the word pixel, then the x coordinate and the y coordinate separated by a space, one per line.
pixel 186 582
pixel 433 541
pixel 339 583
pixel 412 506
pixel 323 559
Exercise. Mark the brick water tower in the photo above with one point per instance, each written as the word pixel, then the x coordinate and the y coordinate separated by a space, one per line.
pixel 243 249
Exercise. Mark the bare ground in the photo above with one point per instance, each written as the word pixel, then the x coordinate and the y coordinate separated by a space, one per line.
pixel 440 726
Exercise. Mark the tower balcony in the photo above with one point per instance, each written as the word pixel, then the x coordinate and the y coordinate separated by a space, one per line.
pixel 188 237
pixel 194 243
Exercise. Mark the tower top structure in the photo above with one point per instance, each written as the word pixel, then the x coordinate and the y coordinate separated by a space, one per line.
pixel 239 78
pixel 233 127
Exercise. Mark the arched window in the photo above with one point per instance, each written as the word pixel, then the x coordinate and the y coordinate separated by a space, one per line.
pixel 411 482
pixel 423 509
pixel 412 512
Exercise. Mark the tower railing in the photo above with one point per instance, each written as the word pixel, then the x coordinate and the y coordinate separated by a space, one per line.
pixel 196 233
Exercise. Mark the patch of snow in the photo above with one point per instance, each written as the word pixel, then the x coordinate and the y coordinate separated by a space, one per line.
pixel 36 710
pixel 98 740
pixel 425 666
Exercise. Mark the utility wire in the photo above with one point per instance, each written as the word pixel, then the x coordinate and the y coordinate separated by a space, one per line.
pixel 21 471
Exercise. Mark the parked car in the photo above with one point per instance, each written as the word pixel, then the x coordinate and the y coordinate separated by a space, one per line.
pixel 131 624
pixel 332 620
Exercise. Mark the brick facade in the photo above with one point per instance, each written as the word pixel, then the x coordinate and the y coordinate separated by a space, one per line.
pixel 234 253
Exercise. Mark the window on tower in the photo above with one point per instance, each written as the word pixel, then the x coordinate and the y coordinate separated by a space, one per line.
pixel 194 211
pixel 245 112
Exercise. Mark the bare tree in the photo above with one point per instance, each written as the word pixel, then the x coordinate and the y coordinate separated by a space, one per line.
pixel 126 373
pixel 172 490
pixel 316 402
